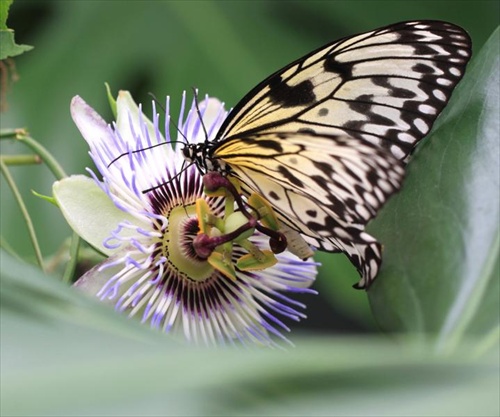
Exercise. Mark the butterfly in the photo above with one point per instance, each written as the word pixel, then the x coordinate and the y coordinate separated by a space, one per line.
pixel 326 138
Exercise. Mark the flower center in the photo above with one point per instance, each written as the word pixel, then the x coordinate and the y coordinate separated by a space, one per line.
pixel 178 244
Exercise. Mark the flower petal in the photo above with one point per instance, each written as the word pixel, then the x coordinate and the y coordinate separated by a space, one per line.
pixel 96 278
pixel 212 113
pixel 127 121
pixel 91 125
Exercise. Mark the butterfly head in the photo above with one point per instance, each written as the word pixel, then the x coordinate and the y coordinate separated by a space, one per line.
pixel 199 154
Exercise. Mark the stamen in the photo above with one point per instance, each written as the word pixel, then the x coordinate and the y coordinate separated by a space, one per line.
pixel 214 181
pixel 205 245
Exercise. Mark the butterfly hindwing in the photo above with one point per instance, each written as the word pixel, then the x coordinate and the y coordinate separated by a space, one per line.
pixel 325 187
pixel 326 183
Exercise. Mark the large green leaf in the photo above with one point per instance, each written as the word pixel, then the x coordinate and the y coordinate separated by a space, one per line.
pixel 64 355
pixel 441 233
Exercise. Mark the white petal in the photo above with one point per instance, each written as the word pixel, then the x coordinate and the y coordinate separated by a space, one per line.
pixel 212 108
pixel 127 122
pixel 92 126
pixel 213 114
pixel 93 280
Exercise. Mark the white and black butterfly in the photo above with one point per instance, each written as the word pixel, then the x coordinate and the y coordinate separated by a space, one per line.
pixel 324 139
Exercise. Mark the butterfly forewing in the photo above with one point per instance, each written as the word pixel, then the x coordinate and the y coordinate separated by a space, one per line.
pixel 386 86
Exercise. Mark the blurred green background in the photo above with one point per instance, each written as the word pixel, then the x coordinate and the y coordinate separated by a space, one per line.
pixel 223 48
pixel 65 355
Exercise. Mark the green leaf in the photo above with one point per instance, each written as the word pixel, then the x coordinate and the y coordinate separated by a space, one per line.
pixel 441 233
pixel 64 355
pixel 4 13
pixel 9 47
pixel 42 302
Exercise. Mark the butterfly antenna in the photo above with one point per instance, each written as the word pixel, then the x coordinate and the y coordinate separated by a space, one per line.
pixel 176 126
pixel 176 177
pixel 157 102
pixel 147 148
pixel 184 205
pixel 185 141
pixel 196 103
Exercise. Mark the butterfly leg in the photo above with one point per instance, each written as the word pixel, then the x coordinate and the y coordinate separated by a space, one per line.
pixel 214 180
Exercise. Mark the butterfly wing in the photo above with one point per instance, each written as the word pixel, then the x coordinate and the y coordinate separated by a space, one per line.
pixel 386 86
pixel 326 182
pixel 325 187
pixel 322 139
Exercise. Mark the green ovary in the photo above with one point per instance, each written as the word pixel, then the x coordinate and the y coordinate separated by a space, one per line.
pixel 174 241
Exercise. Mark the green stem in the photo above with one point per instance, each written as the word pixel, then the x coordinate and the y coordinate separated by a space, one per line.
pixel 46 156
pixel 24 211
pixel 57 170
pixel 73 259
pixel 12 133
pixel 59 173
pixel 21 159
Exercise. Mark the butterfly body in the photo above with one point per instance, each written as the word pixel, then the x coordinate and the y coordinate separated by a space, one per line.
pixel 200 154
pixel 325 139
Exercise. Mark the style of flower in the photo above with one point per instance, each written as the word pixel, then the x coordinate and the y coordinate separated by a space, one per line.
pixel 153 270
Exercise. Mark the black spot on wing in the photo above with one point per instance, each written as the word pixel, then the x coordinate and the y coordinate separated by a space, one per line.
pixel 352 173
pixel 393 91
pixel 422 49
pixel 291 96
pixel 423 69
pixel 289 176
pixel 312 213
pixel 320 181
pixel 306 130
pixel 362 104
pixel 330 224
pixel 270 144
pixel 360 190
pixel 273 195
pixel 324 168
pixel 372 176
pixel 402 93
pixel 340 186
pixel 343 69
pixel 365 109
